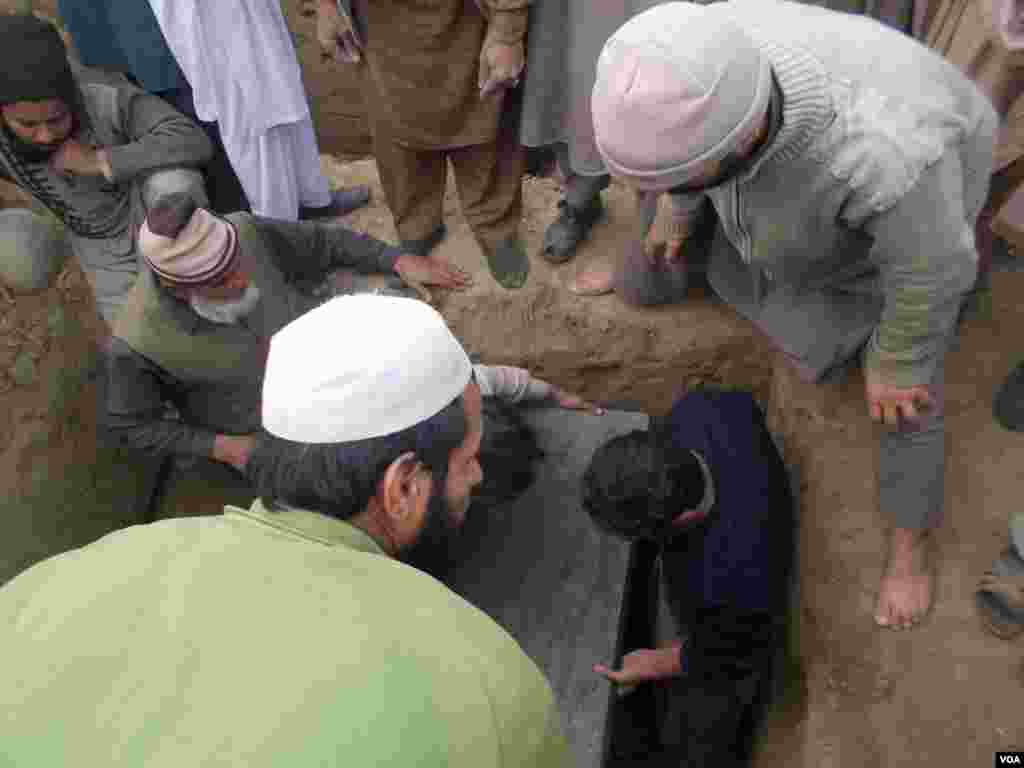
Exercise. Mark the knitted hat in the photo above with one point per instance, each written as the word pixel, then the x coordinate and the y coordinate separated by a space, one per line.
pixel 33 61
pixel 677 86
pixel 399 367
pixel 187 245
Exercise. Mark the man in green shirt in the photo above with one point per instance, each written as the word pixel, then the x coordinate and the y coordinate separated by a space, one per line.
pixel 290 633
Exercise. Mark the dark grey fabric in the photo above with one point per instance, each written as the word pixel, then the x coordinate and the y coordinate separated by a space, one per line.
pixel 564 40
pixel 540 568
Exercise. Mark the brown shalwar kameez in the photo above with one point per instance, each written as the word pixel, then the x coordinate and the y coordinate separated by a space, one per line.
pixel 419 74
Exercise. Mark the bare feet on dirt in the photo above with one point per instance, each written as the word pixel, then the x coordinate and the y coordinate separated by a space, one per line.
pixel 905 594
pixel 595 281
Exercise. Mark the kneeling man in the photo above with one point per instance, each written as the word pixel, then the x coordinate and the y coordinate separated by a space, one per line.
pixel 712 489
pixel 194 329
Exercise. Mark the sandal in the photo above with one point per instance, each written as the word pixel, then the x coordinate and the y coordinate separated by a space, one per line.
pixel 1000 599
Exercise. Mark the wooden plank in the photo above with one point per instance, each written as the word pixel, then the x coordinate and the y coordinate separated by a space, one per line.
pixel 540 568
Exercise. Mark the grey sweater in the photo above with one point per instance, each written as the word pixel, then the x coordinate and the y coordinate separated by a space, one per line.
pixel 142 133
pixel 872 184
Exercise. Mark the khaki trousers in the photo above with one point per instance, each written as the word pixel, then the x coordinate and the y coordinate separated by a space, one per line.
pixel 488 178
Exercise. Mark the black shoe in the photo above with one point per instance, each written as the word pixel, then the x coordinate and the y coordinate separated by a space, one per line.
pixel 427 244
pixel 1008 407
pixel 343 201
pixel 570 229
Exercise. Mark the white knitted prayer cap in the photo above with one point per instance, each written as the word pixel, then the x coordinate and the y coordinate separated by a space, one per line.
pixel 360 367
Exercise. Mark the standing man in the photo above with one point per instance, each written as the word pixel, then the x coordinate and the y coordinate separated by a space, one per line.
pixel 239 59
pixel 95 153
pixel 870 248
pixel 712 490
pixel 435 77
pixel 292 633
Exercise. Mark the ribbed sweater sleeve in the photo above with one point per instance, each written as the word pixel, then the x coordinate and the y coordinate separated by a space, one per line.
pixel 925 252
pixel 155 136
pixel 510 384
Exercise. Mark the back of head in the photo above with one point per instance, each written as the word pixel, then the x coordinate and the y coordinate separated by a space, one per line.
pixel 635 485
pixel 35 63
pixel 616 486
pixel 677 86
pixel 508 454
pixel 349 387
pixel 184 244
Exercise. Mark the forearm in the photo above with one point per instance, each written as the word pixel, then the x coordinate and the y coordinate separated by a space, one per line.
pixel 925 253
pixel 154 436
pixel 307 251
pixel 158 137
pixel 511 384
pixel 506 20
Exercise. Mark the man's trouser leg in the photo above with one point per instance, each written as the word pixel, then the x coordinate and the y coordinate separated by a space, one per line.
pixel 912 466
pixel 490 182
pixel 314 190
pixel 579 190
pixel 263 164
pixel 413 181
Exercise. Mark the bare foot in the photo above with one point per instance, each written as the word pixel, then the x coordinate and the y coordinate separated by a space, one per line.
pixel 905 594
pixel 596 281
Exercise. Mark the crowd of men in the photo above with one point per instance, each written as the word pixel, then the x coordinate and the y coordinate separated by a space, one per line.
pixel 827 170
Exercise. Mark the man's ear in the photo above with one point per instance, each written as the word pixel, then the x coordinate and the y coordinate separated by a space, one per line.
pixel 404 489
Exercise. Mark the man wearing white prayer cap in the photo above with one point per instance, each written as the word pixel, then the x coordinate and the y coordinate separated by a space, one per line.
pixel 289 633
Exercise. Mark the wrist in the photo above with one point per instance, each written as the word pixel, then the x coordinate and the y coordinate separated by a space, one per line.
pixel 103 164
pixel 507 27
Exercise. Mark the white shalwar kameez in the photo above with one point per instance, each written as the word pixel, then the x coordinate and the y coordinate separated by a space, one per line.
pixel 239 58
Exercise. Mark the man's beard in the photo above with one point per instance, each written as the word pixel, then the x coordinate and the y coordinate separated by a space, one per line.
pixel 434 550
pixel 30 152
pixel 226 312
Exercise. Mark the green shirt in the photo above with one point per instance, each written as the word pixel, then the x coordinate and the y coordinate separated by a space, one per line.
pixel 259 638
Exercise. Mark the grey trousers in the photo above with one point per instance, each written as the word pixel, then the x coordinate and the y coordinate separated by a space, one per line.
pixel 110 264
pixel 579 190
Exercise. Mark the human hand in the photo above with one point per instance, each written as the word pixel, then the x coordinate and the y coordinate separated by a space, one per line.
pixel 336 34
pixel 890 404
pixel 234 449
pixel 573 402
pixel 501 64
pixel 420 271
pixel 643 666
pixel 79 159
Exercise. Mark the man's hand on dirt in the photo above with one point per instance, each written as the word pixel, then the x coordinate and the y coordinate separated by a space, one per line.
pixel 652 247
pixel 892 405
pixel 420 271
pixel 234 449
pixel 336 35
pixel 79 159
pixel 501 64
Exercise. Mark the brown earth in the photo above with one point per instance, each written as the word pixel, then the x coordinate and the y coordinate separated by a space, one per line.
pixel 944 695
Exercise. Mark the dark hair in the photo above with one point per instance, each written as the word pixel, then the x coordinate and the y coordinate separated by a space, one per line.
pixel 634 485
pixel 170 214
pixel 339 479
pixel 508 452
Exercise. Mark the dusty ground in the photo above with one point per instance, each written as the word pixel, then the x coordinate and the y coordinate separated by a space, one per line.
pixel 944 695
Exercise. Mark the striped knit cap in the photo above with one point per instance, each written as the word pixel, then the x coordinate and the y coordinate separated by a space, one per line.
pixel 187 245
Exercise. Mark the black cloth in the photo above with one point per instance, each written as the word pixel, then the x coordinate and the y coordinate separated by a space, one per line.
pixel 36 64
pixel 727 581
